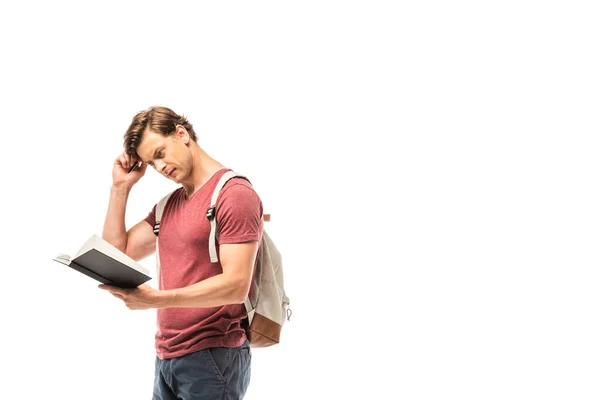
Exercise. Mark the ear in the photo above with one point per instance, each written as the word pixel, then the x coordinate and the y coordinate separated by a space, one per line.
pixel 182 134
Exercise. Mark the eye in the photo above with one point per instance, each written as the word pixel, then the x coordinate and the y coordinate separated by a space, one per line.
pixel 159 154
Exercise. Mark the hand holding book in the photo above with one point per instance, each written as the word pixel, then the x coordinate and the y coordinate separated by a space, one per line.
pixel 141 298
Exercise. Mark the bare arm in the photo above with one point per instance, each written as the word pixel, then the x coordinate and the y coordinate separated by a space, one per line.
pixel 230 287
pixel 139 242
pixel 114 231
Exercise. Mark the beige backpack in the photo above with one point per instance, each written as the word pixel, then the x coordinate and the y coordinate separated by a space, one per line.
pixel 267 304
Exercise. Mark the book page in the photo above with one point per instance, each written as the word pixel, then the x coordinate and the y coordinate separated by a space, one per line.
pixel 63 258
pixel 96 242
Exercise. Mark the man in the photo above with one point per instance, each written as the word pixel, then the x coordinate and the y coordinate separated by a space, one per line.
pixel 201 345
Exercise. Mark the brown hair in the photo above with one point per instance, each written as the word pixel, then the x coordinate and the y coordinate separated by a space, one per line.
pixel 158 119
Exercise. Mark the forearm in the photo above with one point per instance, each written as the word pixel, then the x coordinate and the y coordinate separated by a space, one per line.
pixel 114 230
pixel 212 292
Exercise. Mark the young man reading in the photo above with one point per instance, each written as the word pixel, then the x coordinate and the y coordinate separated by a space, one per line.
pixel 201 345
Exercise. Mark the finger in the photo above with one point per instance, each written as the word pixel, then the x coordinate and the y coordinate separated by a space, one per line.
pixel 112 289
pixel 106 287
pixel 129 161
pixel 122 161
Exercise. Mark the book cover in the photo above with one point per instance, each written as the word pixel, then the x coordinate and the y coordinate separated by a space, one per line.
pixel 105 263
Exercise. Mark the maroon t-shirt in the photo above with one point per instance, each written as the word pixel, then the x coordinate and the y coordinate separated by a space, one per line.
pixel 185 260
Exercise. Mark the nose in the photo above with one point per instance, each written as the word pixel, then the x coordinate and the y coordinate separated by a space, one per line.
pixel 160 165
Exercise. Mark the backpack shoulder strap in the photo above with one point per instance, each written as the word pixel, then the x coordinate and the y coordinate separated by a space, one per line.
pixel 160 207
pixel 210 214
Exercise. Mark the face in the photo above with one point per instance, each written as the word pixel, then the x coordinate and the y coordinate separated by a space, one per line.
pixel 169 155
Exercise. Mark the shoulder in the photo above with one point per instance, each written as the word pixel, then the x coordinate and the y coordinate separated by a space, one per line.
pixel 167 199
pixel 239 194
pixel 239 212
pixel 237 186
pixel 171 198
pixel 173 195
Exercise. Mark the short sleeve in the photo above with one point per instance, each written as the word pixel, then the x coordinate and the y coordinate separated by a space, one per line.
pixel 151 218
pixel 239 214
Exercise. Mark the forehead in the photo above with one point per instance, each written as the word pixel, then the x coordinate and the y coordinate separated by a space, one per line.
pixel 150 142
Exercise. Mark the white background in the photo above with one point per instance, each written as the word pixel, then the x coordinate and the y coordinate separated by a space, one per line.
pixel 431 169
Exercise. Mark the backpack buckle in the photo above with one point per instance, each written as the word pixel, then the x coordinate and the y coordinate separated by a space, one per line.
pixel 210 213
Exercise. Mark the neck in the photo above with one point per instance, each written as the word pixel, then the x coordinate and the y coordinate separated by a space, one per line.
pixel 203 168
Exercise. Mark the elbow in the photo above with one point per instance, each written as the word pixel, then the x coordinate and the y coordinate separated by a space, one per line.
pixel 118 244
pixel 240 293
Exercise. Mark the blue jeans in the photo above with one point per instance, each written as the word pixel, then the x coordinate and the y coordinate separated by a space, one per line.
pixel 215 373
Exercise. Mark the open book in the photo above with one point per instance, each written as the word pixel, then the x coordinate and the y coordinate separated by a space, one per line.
pixel 103 262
